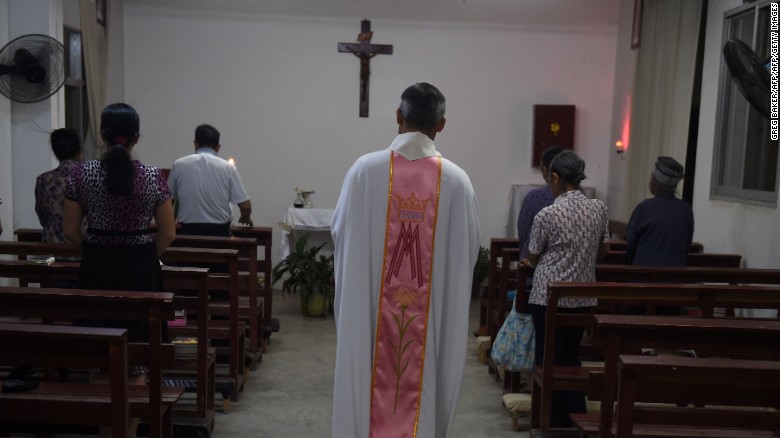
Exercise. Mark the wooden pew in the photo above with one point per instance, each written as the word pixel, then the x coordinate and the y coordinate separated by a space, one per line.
pixel 658 274
pixel 264 238
pixel 486 303
pixel 620 245
pixel 154 307
pixel 230 330
pixel 724 337
pixel 67 403
pixel 263 300
pixel 500 305
pixel 28 234
pixel 549 377
pixel 688 274
pixel 610 270
pixel 707 381
pixel 250 305
pixel 614 257
pixel 506 280
pixel 196 371
pixel 174 278
pixel 618 229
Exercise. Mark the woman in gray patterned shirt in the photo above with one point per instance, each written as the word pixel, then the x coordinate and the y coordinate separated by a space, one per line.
pixel 567 239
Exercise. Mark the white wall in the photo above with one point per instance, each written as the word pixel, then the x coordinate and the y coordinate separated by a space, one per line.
pixel 31 123
pixel 115 46
pixel 286 101
pixel 625 73
pixel 727 226
pixel 70 14
pixel 6 163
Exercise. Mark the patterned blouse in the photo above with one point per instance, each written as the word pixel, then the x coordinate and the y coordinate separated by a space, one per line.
pixel 567 236
pixel 533 203
pixel 117 220
pixel 50 200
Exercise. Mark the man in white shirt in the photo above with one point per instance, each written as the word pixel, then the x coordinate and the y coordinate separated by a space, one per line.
pixel 406 237
pixel 205 186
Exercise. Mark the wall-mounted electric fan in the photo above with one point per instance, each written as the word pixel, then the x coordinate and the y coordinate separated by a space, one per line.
pixel 749 73
pixel 32 68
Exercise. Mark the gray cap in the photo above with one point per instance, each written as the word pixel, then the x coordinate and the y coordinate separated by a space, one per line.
pixel 668 171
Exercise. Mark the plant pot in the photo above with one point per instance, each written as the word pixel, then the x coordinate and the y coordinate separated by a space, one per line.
pixel 314 305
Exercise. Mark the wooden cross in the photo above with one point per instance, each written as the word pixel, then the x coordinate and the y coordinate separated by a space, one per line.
pixel 364 50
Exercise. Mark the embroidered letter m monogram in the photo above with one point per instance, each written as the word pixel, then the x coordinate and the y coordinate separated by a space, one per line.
pixel 408 245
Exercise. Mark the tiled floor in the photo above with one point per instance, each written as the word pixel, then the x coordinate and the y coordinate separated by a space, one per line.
pixel 290 393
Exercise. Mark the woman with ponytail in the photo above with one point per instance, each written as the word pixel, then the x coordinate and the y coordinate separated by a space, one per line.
pixel 119 197
pixel 567 239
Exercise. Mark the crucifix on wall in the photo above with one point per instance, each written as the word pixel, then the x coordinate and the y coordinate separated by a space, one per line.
pixel 364 50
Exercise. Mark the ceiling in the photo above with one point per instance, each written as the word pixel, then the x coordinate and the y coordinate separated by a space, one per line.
pixel 558 14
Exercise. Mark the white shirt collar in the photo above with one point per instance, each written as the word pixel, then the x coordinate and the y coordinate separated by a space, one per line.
pixel 207 150
pixel 414 145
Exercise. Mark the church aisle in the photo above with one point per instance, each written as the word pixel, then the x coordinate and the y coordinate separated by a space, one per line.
pixel 290 393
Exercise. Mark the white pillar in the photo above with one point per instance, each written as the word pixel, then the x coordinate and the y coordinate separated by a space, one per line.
pixel 31 123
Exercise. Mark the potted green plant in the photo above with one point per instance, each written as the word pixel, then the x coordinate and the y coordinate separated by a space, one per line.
pixel 309 274
pixel 480 271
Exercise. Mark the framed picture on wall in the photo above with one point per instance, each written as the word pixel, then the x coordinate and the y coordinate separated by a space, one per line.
pixel 553 125
pixel 100 11
pixel 636 29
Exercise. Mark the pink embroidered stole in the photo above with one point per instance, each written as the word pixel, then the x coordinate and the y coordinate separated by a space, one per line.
pixel 399 352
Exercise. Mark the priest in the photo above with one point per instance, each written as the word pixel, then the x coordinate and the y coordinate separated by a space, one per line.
pixel 406 238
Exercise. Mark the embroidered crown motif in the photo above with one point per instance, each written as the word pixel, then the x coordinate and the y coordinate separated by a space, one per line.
pixel 412 209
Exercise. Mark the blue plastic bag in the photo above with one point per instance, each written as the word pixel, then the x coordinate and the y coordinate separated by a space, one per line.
pixel 515 343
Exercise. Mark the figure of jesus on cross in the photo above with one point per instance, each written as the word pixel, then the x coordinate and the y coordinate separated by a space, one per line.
pixel 364 50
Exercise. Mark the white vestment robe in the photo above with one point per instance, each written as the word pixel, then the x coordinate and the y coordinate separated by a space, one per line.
pixel 358 228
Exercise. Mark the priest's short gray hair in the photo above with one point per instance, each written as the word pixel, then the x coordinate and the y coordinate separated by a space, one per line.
pixel 422 105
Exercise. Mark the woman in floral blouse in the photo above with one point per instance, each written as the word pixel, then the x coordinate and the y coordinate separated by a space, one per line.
pixel 50 186
pixel 567 239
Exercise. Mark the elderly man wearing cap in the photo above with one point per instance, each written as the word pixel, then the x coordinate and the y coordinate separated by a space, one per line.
pixel 660 230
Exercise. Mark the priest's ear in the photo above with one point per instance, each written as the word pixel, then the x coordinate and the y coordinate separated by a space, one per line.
pixel 440 125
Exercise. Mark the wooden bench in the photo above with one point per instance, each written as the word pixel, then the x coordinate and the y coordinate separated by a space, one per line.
pixel 614 257
pixel 509 276
pixel 264 238
pixel 507 281
pixel 231 329
pixel 250 305
pixel 500 305
pixel 618 229
pixel 687 274
pixel 720 384
pixel 201 366
pixel 28 234
pixel 549 377
pixel 193 371
pixel 73 304
pixel 263 300
pixel 723 337
pixel 620 245
pixel 33 345
pixel 497 245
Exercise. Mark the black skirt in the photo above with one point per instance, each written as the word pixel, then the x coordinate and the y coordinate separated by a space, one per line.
pixel 122 267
